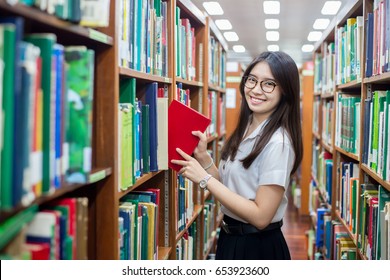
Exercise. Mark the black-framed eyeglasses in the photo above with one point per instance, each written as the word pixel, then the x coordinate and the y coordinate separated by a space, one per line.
pixel 267 86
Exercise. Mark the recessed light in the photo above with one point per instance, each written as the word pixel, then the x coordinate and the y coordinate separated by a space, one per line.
pixel 273 48
pixel 230 36
pixel 272 35
pixel 271 23
pixel 213 8
pixel 331 7
pixel 307 48
pixel 314 36
pixel 223 24
pixel 321 23
pixel 271 7
pixel 239 48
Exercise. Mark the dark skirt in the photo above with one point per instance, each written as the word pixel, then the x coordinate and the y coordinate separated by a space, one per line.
pixel 267 245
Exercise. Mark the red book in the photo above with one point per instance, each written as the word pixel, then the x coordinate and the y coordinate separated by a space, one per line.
pixel 182 120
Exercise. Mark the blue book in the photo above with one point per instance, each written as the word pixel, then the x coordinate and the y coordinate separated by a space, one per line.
pixel 369 43
pixel 151 100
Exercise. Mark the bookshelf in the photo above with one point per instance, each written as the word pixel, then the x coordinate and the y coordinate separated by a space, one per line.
pixel 115 69
pixel 350 142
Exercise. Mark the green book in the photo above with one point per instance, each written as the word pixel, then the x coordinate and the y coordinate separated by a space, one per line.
pixel 80 86
pixel 45 42
pixel 125 151
pixel 7 54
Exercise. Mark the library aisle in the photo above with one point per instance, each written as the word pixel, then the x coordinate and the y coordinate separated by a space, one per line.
pixel 294 230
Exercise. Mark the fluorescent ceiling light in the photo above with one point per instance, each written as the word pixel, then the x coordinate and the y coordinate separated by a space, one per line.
pixel 273 48
pixel 307 48
pixel 321 23
pixel 314 36
pixel 223 24
pixel 230 36
pixel 239 48
pixel 271 23
pixel 331 7
pixel 271 7
pixel 272 35
pixel 213 8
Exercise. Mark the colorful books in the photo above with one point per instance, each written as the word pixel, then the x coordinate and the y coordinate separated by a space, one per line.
pixel 182 120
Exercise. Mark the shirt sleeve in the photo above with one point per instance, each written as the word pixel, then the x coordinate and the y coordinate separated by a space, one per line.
pixel 275 164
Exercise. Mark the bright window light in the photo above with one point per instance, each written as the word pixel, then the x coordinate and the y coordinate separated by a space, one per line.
pixel 321 23
pixel 272 35
pixel 314 36
pixel 307 48
pixel 239 48
pixel 273 48
pixel 331 7
pixel 271 23
pixel 213 8
pixel 223 24
pixel 271 7
pixel 230 36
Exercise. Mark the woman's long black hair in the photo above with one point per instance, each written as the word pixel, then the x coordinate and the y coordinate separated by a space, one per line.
pixel 286 115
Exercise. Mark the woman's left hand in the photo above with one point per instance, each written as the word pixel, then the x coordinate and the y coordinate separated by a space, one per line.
pixel 191 168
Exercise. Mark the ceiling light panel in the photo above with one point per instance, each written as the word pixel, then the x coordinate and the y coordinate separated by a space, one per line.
pixel 331 7
pixel 223 24
pixel 231 36
pixel 271 7
pixel 239 48
pixel 213 8
pixel 272 35
pixel 273 48
pixel 314 36
pixel 271 23
pixel 321 23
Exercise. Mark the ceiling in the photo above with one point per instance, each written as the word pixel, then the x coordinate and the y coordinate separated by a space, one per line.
pixel 247 18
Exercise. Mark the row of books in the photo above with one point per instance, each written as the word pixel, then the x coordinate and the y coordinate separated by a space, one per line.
pixel 142 131
pixel 86 13
pixel 47 100
pixel 143 36
pixel 364 211
pixel 57 231
pixel 327 122
pixel 376 142
pixel 217 63
pixel 139 225
pixel 347 130
pixel 186 45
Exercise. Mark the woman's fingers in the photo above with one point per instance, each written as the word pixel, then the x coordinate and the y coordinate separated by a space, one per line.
pixel 183 154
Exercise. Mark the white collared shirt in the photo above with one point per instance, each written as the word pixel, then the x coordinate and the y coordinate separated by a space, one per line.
pixel 272 167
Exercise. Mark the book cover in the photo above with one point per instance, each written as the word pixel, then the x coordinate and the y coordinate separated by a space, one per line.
pixel 182 120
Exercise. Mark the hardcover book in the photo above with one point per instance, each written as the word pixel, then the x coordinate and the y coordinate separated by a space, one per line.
pixel 182 120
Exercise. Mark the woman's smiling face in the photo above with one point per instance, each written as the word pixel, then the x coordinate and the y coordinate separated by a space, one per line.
pixel 262 104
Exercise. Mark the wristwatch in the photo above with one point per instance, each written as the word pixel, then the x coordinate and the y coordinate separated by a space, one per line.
pixel 203 182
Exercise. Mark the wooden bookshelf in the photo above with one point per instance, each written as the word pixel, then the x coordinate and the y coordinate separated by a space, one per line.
pixel 361 87
pixel 102 188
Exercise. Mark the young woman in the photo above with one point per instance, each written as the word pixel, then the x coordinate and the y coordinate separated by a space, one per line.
pixel 257 161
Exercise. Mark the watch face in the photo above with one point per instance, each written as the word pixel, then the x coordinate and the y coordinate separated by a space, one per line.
pixel 202 183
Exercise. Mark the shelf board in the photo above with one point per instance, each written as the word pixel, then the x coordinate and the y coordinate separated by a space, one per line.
pixel 327 95
pixel 316 135
pixel 46 19
pixel 350 85
pixel 163 253
pixel 382 78
pixel 327 147
pixel 376 176
pixel 351 235
pixel 216 88
pixel 189 83
pixel 139 182
pixel 345 153
pixel 188 7
pixel 131 73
